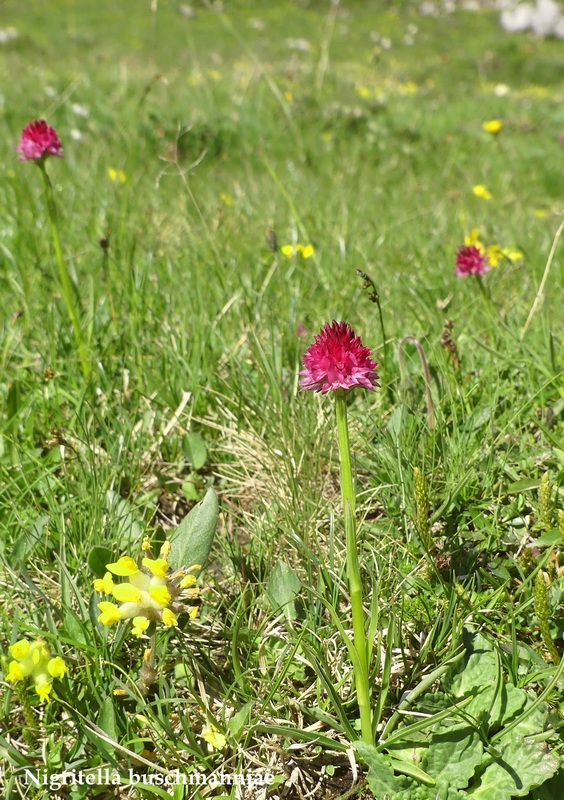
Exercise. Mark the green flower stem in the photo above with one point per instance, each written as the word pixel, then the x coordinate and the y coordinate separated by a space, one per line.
pixel 64 274
pixel 353 569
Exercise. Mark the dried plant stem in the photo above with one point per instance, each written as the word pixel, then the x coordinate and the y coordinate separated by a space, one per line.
pixel 540 293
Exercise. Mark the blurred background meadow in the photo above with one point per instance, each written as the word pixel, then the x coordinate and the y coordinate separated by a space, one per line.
pixel 228 167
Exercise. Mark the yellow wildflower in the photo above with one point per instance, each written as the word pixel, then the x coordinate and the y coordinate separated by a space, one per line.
pixel 481 191
pixel 150 593
pixel 15 672
pixel 160 595
pixel 226 198
pixel 116 175
pixel 494 254
pixel 169 618
pixel 126 593
pixel 363 91
pixel 20 649
pixel 57 667
pixel 305 250
pixel 158 566
pixel 33 660
pixel 140 625
pixel 213 737
pixel 110 613
pixel 43 690
pixel 492 126
pixel 473 240
pixel 513 254
pixel 105 584
pixel 124 567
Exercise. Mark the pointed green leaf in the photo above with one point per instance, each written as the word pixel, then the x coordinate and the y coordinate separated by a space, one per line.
pixel 191 542
pixel 107 718
pixel 98 557
pixel 282 589
pixel 195 450
pixel 75 629
pixel 238 721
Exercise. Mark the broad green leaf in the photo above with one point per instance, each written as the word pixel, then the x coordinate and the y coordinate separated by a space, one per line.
pixel 523 485
pixel 522 766
pixel 238 721
pixel 479 417
pixel 452 757
pixel 477 670
pixel 107 718
pixel 381 778
pixel 497 708
pixel 191 542
pixel 75 629
pixel 190 491
pixel 282 589
pixel 552 788
pixel 546 539
pixel 524 763
pixel 195 450
pixel 98 557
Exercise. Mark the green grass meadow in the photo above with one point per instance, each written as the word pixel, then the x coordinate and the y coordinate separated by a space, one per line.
pixel 202 143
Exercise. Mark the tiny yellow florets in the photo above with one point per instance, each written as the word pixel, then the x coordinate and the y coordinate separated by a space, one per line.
pixel 33 660
pixel 151 592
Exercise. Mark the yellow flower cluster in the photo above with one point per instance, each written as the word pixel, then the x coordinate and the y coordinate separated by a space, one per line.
pixel 492 126
pixel 494 252
pixel 153 592
pixel 482 191
pixel 33 660
pixel 116 175
pixel 304 250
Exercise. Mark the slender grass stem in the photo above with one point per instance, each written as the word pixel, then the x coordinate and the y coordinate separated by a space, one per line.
pixel 64 274
pixel 353 570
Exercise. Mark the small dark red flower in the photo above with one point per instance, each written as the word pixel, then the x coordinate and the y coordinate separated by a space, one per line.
pixel 37 141
pixel 470 260
pixel 338 360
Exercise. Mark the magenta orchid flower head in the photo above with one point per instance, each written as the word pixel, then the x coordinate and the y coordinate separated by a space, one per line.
pixel 338 360
pixel 470 260
pixel 38 141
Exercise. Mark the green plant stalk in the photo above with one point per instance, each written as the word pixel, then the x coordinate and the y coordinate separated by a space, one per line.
pixel 353 570
pixel 64 274
pixel 545 505
pixel 542 608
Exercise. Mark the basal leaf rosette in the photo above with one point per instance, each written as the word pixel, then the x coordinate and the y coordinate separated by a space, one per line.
pixel 34 660
pixel 151 592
